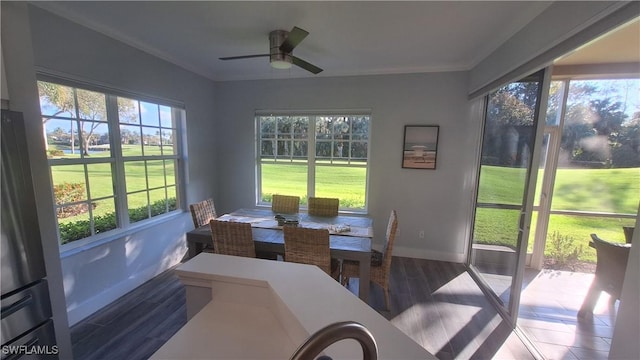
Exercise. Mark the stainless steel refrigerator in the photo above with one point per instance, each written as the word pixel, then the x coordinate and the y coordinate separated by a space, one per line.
pixel 27 329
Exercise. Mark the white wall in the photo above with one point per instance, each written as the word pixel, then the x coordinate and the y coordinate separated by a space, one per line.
pixel 436 201
pixel 93 277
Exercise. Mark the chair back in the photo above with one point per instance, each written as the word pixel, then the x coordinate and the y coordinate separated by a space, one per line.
pixel 232 238
pixel 202 212
pixel 307 246
pixel 390 238
pixel 611 264
pixel 285 204
pixel 323 206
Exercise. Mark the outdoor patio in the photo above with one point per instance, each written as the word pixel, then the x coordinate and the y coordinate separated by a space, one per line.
pixel 548 315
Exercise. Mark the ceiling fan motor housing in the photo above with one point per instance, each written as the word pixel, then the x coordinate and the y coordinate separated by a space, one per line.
pixel 278 58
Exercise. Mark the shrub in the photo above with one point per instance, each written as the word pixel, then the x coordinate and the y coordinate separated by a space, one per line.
pixel 562 249
pixel 54 152
pixel 68 193
pixel 82 228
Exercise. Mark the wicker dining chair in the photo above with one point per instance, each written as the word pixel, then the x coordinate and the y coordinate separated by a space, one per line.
pixel 309 246
pixel 202 212
pixel 285 204
pixel 323 206
pixel 232 238
pixel 380 262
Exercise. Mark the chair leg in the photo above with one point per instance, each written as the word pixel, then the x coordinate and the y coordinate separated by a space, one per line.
pixel 386 298
pixel 586 310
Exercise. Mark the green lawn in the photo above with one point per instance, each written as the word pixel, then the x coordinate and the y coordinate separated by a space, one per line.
pixel 600 190
pixel 345 183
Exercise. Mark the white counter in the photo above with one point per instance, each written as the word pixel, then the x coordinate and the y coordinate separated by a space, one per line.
pixel 241 308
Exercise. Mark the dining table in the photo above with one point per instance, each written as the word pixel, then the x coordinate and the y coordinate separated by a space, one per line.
pixel 349 236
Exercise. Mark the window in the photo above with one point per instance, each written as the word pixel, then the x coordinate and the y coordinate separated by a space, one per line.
pixel 333 162
pixel 113 160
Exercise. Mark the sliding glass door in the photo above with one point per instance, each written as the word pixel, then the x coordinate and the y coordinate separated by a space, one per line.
pixel 503 200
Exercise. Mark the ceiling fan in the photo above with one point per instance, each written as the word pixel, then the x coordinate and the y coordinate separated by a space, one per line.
pixel 282 43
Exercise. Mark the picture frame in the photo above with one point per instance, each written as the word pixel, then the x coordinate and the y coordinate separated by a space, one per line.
pixel 420 147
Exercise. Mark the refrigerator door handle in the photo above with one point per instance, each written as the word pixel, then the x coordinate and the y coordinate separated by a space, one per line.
pixel 24 302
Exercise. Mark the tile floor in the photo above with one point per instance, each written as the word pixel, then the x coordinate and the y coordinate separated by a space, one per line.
pixel 548 315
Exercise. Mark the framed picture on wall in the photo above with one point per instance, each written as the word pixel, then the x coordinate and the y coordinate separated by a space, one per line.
pixel 420 146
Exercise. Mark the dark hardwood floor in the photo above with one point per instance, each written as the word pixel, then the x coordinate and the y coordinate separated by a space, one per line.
pixel 436 303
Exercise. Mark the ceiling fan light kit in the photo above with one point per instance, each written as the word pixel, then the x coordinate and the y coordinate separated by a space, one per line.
pixel 281 44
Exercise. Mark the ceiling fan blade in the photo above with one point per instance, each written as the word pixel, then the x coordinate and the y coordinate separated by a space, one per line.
pixel 305 65
pixel 296 35
pixel 243 57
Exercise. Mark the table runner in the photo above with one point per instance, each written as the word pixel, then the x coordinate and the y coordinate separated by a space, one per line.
pixel 269 223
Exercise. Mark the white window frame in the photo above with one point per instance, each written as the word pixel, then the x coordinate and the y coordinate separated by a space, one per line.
pixel 117 161
pixel 311 151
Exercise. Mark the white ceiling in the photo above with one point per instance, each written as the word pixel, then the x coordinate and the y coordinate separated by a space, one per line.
pixel 346 38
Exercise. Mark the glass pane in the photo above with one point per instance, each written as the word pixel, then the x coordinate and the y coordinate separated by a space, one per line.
pixel 56 100
pixel 360 127
pixel 273 181
pixel 170 171
pixel 284 125
pixel 556 92
pixel 149 114
pixel 267 148
pixel 323 127
pixel 131 140
pixel 267 125
pixel 599 161
pixel 341 128
pixel 323 149
pixel 104 216
pixel 68 183
pixel 158 199
pixel 300 149
pixel 168 143
pixel 284 148
pixel 346 183
pixel 166 119
pixel 138 206
pixel 100 180
pixel 128 112
pixel 95 139
pixel 155 173
pixel 495 237
pixel 91 105
pixel 135 176
pixel 62 138
pixel 359 150
pixel 172 198
pixel 151 141
pixel 300 127
pixel 73 228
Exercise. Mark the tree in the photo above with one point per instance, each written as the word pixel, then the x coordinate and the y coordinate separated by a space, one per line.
pixel 90 105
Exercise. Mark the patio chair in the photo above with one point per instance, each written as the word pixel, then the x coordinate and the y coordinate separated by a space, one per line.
pixel 232 238
pixel 628 233
pixel 285 204
pixel 610 269
pixel 323 206
pixel 309 246
pixel 380 262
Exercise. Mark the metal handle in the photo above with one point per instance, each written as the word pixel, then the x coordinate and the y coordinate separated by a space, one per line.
pixel 332 333
pixel 8 310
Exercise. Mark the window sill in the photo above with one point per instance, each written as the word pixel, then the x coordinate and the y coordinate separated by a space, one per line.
pixel 83 245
